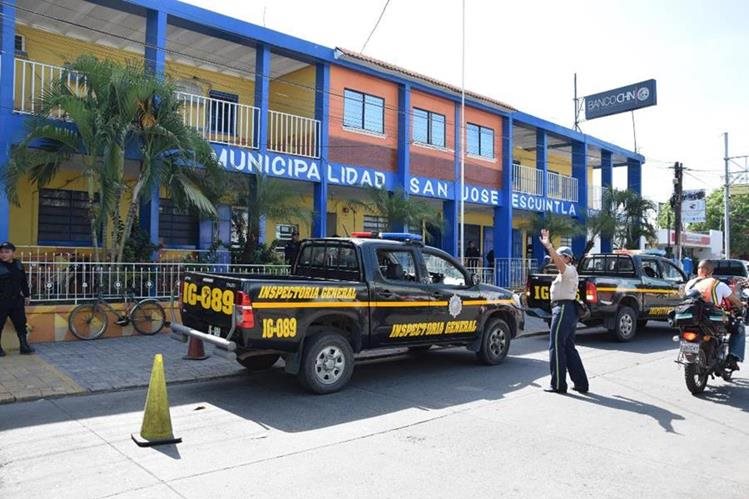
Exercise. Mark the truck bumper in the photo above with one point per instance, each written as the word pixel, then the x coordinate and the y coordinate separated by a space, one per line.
pixel 224 347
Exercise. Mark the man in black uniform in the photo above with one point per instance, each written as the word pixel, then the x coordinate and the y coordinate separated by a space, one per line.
pixel 14 295
pixel 292 248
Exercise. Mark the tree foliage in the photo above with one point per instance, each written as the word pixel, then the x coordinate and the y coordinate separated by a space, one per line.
pixel 398 209
pixel 739 218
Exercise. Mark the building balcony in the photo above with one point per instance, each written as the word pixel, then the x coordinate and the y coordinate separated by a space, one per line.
pixel 595 197
pixel 530 180
pixel 218 121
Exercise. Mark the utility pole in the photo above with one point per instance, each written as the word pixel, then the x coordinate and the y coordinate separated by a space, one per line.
pixel 726 198
pixel 678 188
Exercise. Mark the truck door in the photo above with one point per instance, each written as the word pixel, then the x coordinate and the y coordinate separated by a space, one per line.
pixel 453 287
pixel 400 303
pixel 656 291
pixel 676 280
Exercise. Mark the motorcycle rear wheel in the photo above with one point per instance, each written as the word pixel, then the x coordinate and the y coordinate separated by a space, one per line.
pixel 696 378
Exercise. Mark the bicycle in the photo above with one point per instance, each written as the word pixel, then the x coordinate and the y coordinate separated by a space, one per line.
pixel 89 321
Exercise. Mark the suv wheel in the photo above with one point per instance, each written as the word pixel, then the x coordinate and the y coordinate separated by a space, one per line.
pixel 625 325
pixel 327 363
pixel 495 342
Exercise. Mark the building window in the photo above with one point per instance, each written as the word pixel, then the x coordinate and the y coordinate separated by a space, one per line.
pixel 479 141
pixel 64 218
pixel 429 128
pixel 177 227
pixel 374 223
pixel 363 111
pixel 20 43
pixel 222 111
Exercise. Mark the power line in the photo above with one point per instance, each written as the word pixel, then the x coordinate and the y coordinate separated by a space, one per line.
pixel 384 8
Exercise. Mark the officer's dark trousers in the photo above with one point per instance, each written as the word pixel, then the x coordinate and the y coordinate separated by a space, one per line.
pixel 563 355
pixel 17 314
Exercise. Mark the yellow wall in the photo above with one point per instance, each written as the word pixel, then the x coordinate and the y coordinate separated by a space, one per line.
pixel 294 93
pixel 559 163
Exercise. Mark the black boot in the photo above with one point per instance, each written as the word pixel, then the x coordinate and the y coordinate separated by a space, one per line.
pixel 2 352
pixel 25 347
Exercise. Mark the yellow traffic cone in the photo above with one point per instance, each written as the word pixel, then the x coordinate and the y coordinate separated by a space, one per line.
pixel 157 424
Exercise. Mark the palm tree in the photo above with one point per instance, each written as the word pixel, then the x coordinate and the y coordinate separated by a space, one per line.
pixel 602 223
pixel 269 198
pixel 633 219
pixel 398 209
pixel 556 224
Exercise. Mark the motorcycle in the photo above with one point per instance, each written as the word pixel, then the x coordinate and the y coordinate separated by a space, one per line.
pixel 704 333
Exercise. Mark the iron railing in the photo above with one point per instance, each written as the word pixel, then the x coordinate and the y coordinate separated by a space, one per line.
pixel 221 121
pixel 292 134
pixel 73 282
pixel 527 180
pixel 32 80
pixel 595 197
pixel 561 187
pixel 510 273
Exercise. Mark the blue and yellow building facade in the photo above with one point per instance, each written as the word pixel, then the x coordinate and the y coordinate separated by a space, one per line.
pixel 326 121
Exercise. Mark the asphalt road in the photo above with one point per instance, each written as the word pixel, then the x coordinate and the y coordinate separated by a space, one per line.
pixel 433 425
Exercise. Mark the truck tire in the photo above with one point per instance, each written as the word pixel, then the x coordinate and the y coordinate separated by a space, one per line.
pixel 495 342
pixel 259 362
pixel 625 325
pixel 327 363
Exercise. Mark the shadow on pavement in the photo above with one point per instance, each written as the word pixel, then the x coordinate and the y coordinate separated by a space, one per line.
pixel 734 393
pixel 652 339
pixel 664 417
pixel 425 382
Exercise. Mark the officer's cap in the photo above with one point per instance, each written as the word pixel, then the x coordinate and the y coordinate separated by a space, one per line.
pixel 7 245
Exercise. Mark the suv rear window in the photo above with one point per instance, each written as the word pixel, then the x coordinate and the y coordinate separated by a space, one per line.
pixel 729 268
pixel 329 260
pixel 607 264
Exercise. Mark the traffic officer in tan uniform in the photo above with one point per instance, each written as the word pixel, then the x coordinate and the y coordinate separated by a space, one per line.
pixel 563 355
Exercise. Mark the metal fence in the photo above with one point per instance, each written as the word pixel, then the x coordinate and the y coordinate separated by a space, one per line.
pixel 221 121
pixel 73 282
pixel 562 187
pixel 527 179
pixel 510 273
pixel 292 134
pixel 33 79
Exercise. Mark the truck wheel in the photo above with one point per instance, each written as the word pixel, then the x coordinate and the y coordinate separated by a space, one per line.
pixel 327 363
pixel 259 362
pixel 495 342
pixel 625 325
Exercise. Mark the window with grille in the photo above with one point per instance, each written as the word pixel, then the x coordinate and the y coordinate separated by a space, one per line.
pixel 223 112
pixel 363 111
pixel 20 43
pixel 479 141
pixel 177 227
pixel 63 218
pixel 428 127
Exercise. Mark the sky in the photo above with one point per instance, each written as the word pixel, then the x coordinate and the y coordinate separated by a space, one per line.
pixel 526 53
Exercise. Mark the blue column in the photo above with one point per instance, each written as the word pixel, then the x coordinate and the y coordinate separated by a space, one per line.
pixel 451 217
pixel 224 232
pixel 606 183
pixel 322 106
pixel 404 142
pixel 7 63
pixel 580 172
pixel 542 159
pixel 156 41
pixel 205 233
pixel 634 176
pixel 155 56
pixel 262 95
pixel 503 214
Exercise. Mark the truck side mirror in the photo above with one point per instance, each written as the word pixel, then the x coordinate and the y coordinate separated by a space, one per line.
pixel 475 279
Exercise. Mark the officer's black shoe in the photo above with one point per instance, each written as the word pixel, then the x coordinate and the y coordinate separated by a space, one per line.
pixel 580 389
pixel 554 390
pixel 25 347
pixel 732 363
pixel 2 352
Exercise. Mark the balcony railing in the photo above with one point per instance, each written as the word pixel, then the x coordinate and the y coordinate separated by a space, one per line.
pixel 595 197
pixel 527 179
pixel 221 121
pixel 561 187
pixel 292 134
pixel 216 120
pixel 33 79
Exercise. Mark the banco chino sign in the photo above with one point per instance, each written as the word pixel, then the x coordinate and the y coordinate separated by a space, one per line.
pixel 620 100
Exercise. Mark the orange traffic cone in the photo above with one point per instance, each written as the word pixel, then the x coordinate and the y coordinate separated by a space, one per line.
pixel 157 423
pixel 195 350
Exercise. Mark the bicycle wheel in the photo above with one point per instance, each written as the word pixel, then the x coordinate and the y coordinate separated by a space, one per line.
pixel 148 317
pixel 88 321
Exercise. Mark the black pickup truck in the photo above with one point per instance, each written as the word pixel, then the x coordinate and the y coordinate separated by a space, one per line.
pixel 346 295
pixel 622 291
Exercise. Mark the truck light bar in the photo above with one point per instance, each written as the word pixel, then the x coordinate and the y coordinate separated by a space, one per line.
pixel 392 236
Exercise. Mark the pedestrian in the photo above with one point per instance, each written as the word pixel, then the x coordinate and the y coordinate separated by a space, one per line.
pixel 473 255
pixel 14 295
pixel 563 355
pixel 291 249
pixel 490 259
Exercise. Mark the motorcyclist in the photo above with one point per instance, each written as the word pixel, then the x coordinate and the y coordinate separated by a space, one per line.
pixel 719 293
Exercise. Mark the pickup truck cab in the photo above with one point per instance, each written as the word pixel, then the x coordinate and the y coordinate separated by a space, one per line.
pixel 345 296
pixel 623 291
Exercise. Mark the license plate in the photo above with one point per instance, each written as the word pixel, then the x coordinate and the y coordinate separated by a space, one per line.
pixel 687 347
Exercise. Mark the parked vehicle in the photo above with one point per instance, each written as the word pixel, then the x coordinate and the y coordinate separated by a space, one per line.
pixel 344 296
pixel 730 271
pixel 704 333
pixel 622 291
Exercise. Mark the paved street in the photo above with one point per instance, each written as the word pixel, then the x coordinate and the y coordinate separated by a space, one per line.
pixel 435 425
